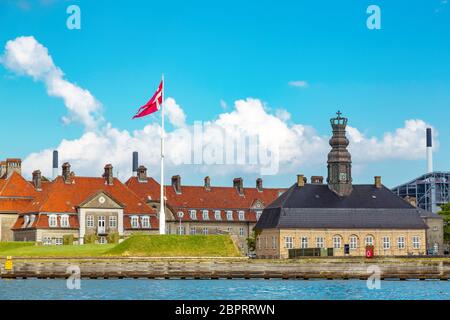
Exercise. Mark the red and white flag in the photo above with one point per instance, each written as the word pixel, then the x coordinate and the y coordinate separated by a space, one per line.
pixel 153 105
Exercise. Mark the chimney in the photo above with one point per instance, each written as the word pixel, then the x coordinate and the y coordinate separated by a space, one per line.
pixel 259 185
pixel 108 175
pixel 176 184
pixel 142 174
pixel 301 180
pixel 13 165
pixel 238 183
pixel 429 150
pixel 317 180
pixel 207 183
pixel 378 183
pixel 411 200
pixel 66 173
pixel 2 168
pixel 135 163
pixel 37 180
pixel 55 164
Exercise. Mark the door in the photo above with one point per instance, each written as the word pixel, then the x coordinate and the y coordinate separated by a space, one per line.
pixel 101 225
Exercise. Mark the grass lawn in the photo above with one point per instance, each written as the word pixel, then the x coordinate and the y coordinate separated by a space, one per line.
pixel 138 246
pixel 176 246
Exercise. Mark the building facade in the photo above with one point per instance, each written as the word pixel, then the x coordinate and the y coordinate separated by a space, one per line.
pixel 349 219
pixel 207 209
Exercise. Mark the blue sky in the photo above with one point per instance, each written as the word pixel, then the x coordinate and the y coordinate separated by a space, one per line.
pixel 230 50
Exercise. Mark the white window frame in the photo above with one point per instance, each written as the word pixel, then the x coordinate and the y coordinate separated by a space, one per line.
pixel 230 215
pixel 304 242
pixel 193 214
pixel 112 221
pixel 134 221
pixel 181 230
pixel 401 244
pixel 370 242
pixel 90 221
pixel 47 241
pixel 32 219
pixel 241 232
pixel 416 242
pixel 26 221
pixel 205 231
pixel 337 242
pixel 274 242
pixel 145 222
pixel 320 242
pixel 217 215
pixel 386 243
pixel 65 223
pixel 353 242
pixel 59 241
pixel 258 215
pixel 205 214
pixel 241 215
pixel 289 242
pixel 193 231
pixel 53 218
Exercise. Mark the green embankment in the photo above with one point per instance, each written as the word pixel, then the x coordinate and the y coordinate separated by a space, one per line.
pixel 138 246
pixel 176 246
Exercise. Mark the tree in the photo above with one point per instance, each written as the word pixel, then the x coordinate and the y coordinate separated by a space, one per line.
pixel 445 213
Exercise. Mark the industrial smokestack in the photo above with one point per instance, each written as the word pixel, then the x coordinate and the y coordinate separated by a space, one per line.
pixel 135 163
pixel 429 150
pixel 55 164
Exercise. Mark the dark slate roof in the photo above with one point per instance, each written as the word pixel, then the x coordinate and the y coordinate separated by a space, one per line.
pixel 316 206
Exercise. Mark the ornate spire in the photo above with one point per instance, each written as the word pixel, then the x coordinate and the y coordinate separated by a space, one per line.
pixel 339 159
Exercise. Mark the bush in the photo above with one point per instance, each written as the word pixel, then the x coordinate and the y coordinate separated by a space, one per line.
pixel 90 238
pixel 68 239
pixel 113 238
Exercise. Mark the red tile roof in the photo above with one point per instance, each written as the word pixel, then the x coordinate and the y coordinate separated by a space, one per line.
pixel 61 197
pixel 199 198
pixel 16 186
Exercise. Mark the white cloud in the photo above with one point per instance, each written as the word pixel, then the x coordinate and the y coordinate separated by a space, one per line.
pixel 298 83
pixel 26 56
pixel 299 145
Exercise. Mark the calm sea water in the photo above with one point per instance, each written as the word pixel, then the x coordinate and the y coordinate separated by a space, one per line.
pixel 223 290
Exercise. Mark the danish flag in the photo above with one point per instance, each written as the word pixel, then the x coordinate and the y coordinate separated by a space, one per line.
pixel 153 105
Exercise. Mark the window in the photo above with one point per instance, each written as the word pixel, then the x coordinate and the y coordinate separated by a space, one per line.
pixel 304 242
pixel 258 215
pixel 230 215
pixel 353 242
pixel 65 221
pixel 401 242
pixel 435 228
pixel 134 222
pixel 386 243
pixel 26 220
pixel 241 232
pixel 193 214
pixel 102 240
pixel 266 246
pixel 205 215
pixel 320 242
pixel 180 230
pixel 46 241
pixel 369 241
pixel 288 243
pixel 217 215
pixel 32 218
pixel 52 221
pixel 337 242
pixel 230 230
pixel 112 222
pixel 145 221
pixel 205 231
pixel 416 242
pixel 90 221
pixel 193 231
pixel 274 242
pixel 59 241
pixel 241 215
pixel 258 242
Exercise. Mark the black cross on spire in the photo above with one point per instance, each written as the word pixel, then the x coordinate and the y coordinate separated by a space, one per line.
pixel 339 113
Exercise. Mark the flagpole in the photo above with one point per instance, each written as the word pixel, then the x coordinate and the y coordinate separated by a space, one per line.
pixel 162 214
